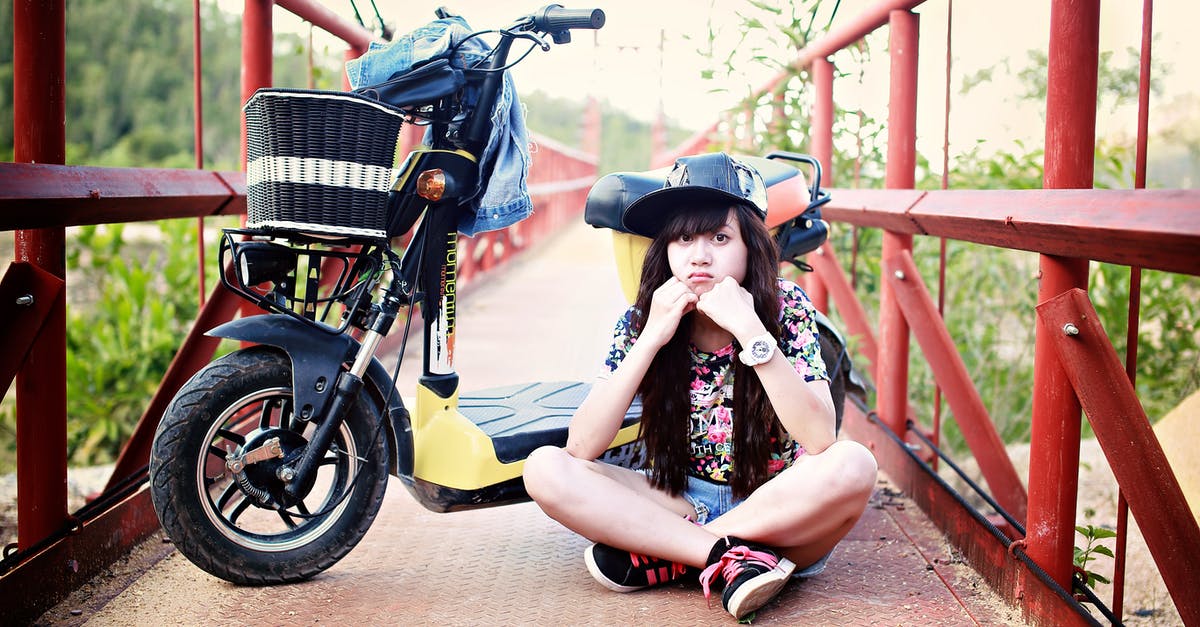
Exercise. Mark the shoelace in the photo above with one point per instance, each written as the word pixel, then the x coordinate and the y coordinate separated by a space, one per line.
pixel 641 560
pixel 731 564
pixel 669 572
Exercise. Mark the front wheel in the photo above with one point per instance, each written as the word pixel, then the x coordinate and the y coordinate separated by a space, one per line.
pixel 245 529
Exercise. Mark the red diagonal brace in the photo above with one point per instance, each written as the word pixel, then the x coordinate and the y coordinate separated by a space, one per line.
pixel 1125 436
pixel 197 350
pixel 826 265
pixel 951 374
pixel 26 294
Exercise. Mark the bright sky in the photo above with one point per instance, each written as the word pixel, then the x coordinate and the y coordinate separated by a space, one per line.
pixel 623 62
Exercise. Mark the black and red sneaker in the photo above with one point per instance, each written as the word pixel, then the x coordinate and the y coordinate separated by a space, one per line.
pixel 622 571
pixel 752 574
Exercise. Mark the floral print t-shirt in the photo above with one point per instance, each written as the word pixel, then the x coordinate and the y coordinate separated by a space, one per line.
pixel 711 431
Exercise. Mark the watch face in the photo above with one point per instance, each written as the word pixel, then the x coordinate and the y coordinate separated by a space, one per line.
pixel 760 349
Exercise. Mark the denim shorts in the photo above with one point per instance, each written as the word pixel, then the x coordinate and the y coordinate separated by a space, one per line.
pixel 712 500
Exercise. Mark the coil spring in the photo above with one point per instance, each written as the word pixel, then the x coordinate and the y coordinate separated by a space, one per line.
pixel 258 494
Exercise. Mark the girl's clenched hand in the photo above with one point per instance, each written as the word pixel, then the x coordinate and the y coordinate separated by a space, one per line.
pixel 732 308
pixel 671 301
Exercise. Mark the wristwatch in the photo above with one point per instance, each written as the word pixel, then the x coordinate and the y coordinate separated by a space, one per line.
pixel 758 351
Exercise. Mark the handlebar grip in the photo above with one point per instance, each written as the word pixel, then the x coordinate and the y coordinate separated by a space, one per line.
pixel 554 18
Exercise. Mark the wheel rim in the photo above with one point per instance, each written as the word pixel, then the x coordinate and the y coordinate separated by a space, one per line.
pixel 234 514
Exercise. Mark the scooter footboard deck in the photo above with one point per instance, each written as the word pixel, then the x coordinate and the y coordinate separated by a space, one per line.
pixel 523 417
pixel 472 455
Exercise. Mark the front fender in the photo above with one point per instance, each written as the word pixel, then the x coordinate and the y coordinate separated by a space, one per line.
pixel 318 358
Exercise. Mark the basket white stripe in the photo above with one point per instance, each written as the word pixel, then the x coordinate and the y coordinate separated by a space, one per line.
pixel 314 228
pixel 313 171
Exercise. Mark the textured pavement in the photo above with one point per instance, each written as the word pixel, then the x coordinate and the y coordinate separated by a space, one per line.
pixel 514 566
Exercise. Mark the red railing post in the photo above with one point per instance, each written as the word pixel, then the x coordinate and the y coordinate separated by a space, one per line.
pixel 593 123
pixel 891 370
pixel 257 46
pixel 257 61
pixel 1070 151
pixel 39 136
pixel 821 134
pixel 821 130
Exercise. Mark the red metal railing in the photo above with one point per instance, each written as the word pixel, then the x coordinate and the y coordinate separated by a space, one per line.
pixel 1068 224
pixel 1152 229
pixel 56 551
pixel 1155 229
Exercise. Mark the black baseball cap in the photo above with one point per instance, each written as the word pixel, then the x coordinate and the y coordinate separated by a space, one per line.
pixel 697 179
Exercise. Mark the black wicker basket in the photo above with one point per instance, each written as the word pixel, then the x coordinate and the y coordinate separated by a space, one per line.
pixel 319 162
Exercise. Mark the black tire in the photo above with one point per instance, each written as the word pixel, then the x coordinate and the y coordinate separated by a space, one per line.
pixel 836 364
pixel 241 399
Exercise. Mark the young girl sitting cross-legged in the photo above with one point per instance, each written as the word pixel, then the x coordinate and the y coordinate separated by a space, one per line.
pixel 745 478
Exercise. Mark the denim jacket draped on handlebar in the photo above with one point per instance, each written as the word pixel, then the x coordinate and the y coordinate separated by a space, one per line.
pixel 504 199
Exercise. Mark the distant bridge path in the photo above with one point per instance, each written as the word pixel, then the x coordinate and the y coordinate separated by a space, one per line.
pixel 548 314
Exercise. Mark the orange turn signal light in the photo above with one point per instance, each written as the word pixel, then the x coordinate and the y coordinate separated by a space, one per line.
pixel 431 184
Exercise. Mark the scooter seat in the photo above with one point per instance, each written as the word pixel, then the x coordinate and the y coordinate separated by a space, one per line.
pixel 609 197
pixel 523 417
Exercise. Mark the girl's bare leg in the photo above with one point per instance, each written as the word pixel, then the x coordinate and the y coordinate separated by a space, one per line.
pixel 805 510
pixel 808 508
pixel 616 506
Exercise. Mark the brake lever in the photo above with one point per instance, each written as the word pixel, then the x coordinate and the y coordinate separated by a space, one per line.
pixel 530 36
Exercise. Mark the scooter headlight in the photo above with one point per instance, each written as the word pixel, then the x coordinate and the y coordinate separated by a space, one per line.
pixel 259 262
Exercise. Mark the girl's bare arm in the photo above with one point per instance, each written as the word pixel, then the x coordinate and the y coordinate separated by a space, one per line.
pixel 804 407
pixel 599 417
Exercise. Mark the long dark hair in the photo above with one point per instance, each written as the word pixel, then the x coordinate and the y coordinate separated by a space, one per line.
pixel 665 390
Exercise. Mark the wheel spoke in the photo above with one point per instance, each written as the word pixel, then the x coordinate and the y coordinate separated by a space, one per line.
pixel 264 417
pixel 237 511
pixel 232 436
pixel 244 419
pixel 227 495
pixel 337 450
pixel 216 452
pixel 287 520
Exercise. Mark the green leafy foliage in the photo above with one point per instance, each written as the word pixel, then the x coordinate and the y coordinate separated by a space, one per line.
pixel 990 293
pixel 1116 83
pixel 120 344
pixel 129 86
pixel 1093 535
pixel 1168 342
pixel 626 144
pixel 133 293
pixel 133 289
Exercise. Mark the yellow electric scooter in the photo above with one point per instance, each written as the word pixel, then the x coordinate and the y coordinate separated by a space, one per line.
pixel 271 463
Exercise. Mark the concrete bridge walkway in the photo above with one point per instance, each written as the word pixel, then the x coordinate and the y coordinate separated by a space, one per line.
pixel 547 317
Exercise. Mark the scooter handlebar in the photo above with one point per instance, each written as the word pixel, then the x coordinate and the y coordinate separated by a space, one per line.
pixel 553 18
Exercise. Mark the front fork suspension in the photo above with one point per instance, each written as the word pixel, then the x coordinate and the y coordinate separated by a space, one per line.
pixel 345 392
